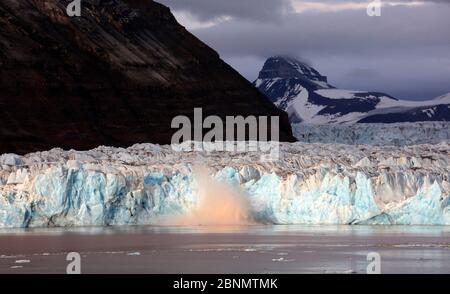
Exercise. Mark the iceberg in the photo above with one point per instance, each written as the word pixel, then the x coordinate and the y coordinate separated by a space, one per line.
pixel 150 184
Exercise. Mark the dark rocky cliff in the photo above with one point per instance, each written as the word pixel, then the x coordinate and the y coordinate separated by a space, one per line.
pixel 116 76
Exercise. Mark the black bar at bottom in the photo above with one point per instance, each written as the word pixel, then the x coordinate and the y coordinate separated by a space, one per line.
pixel 224 283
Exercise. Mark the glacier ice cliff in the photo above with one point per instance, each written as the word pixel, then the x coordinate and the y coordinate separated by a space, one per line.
pixel 397 134
pixel 309 184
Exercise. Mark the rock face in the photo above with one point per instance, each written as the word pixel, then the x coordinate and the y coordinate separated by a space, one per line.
pixel 288 70
pixel 116 76
pixel 307 96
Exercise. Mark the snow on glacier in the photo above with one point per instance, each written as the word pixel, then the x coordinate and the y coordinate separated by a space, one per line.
pixel 398 134
pixel 145 184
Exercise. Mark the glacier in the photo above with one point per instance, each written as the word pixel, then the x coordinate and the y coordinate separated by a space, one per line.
pixel 396 134
pixel 311 183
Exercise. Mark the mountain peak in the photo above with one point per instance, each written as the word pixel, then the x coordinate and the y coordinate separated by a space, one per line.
pixel 306 96
pixel 284 67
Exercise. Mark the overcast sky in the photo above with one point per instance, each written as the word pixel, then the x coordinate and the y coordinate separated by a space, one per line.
pixel 404 52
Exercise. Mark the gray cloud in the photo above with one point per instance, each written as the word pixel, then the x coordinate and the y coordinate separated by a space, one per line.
pixel 368 1
pixel 397 31
pixel 363 73
pixel 405 52
pixel 260 10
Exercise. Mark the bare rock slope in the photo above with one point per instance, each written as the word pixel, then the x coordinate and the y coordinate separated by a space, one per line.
pixel 115 76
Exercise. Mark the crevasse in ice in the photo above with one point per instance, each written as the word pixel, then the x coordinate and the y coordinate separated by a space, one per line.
pixel 310 184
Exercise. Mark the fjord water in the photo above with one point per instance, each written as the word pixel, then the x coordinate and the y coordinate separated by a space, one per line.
pixel 227 249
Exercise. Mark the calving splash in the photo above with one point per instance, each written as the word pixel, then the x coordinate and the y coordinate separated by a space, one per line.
pixel 152 184
pixel 217 203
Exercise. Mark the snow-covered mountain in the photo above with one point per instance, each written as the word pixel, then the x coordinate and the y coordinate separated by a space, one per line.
pixel 307 97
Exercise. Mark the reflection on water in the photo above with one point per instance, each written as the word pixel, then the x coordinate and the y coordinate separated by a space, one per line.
pixel 227 249
pixel 343 230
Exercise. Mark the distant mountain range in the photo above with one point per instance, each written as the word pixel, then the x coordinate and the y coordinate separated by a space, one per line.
pixel 308 97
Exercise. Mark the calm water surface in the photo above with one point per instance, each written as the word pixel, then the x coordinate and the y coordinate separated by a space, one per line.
pixel 227 249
